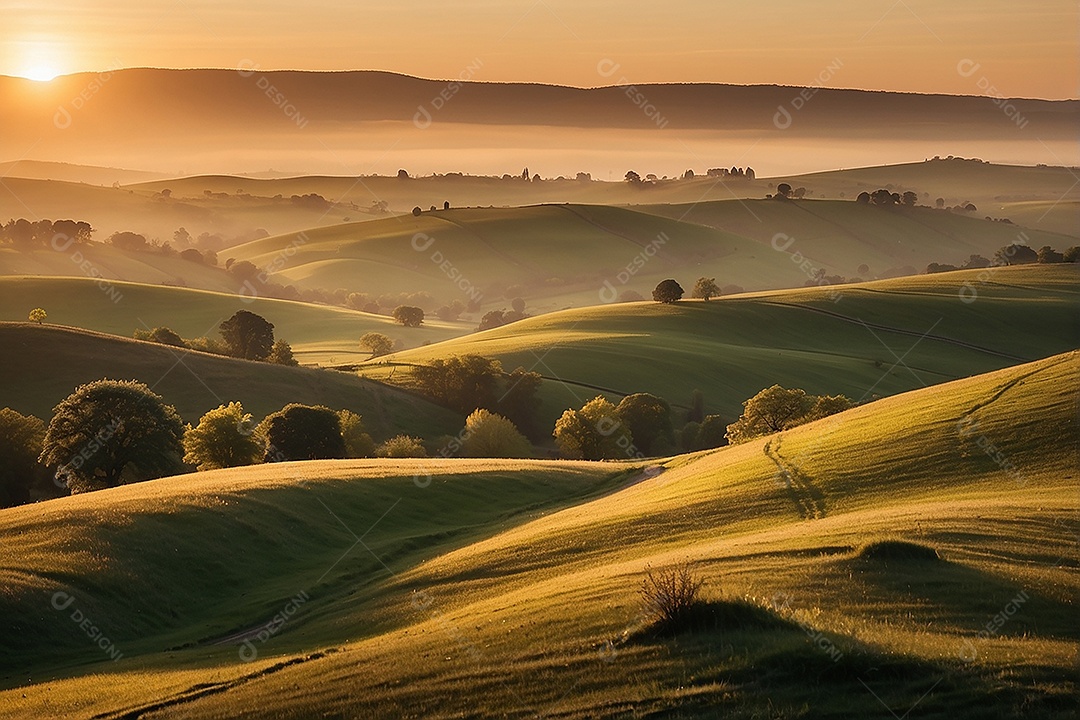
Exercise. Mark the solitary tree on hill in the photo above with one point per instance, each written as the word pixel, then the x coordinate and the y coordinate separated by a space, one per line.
pixel 668 291
pixel 706 288
pixel 37 315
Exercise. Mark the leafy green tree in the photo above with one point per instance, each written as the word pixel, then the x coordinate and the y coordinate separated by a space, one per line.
pixel 648 418
pixel 21 439
pixel 488 435
pixel 401 446
pixel 281 354
pixel 668 291
pixel 706 289
pixel 595 432
pixel 358 444
pixel 776 408
pixel 248 335
pixel 302 432
pixel 37 315
pixel 409 315
pixel 376 343
pixel 108 428
pixel 224 438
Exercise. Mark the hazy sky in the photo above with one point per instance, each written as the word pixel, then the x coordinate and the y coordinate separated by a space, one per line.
pixel 1024 48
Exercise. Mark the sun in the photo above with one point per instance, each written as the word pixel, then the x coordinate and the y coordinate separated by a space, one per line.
pixel 40 72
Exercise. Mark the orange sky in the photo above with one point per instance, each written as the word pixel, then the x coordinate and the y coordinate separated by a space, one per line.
pixel 1016 48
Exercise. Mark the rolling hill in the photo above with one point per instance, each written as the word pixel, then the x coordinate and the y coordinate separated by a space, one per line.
pixel 861 340
pixel 196 382
pixel 477 253
pixel 455 607
pixel 317 333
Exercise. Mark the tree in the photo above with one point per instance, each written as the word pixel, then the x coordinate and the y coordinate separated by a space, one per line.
pixel 416 211
pixel 1048 254
pixel 711 434
pixel 696 413
pixel 243 270
pixel 128 241
pixel 939 203
pixel 409 315
pixel 1015 254
pixel 750 174
pixel 883 198
pixel 1071 255
pixel 21 438
pixel 192 255
pixel 162 336
pixel 688 436
pixel 518 401
pixel 648 418
pixel 248 335
pixel 358 444
pixel 224 438
pixel 281 354
pixel 776 408
pixel 632 177
pixel 706 289
pixel 376 343
pixel 771 410
pixel 594 432
pixel 108 428
pixel 488 435
pixel 975 261
pixel 37 315
pixel 401 446
pixel 403 174
pixel 302 432
pixel 863 198
pixel 668 291
pixel 909 199
pixel 463 383
pixel 783 191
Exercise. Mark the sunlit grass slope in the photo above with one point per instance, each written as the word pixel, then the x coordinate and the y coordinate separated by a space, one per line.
pixel 540 616
pixel 318 334
pixel 42 365
pixel 863 340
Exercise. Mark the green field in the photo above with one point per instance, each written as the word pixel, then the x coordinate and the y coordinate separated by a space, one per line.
pixel 317 333
pixel 196 382
pixel 864 340
pixel 442 589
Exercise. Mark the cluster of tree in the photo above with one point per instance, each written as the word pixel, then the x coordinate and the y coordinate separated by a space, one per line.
pixel 23 234
pixel 784 191
pixel 639 426
pixel 498 318
pixel 1014 254
pixel 244 335
pixel 417 211
pixel 470 382
pixel 386 302
pixel 886 198
pixel 109 433
pixel 776 408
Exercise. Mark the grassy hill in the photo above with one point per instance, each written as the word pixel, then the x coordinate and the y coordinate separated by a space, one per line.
pixel 846 339
pixel 196 382
pixel 318 334
pixel 452 599
pixel 478 252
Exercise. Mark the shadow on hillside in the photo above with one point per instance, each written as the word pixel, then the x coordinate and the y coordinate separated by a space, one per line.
pixel 966 598
pixel 754 662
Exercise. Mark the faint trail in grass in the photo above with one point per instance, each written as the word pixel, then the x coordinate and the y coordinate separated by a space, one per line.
pixel 807 497
pixel 196 692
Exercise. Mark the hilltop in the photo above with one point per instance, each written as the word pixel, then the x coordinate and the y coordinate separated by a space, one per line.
pixel 862 340
pixel 195 382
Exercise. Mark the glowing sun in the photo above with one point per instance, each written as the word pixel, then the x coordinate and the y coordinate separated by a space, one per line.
pixel 40 72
